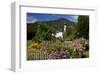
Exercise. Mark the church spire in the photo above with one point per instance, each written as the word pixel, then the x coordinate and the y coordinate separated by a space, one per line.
pixel 65 28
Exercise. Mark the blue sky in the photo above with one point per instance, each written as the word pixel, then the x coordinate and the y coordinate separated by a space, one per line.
pixel 34 17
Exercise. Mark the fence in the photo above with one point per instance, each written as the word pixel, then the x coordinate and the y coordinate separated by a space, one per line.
pixel 40 57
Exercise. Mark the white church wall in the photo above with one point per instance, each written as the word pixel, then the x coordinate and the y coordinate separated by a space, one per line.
pixel 59 34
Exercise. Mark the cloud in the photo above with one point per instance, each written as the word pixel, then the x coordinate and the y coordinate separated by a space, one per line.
pixel 31 19
pixel 74 18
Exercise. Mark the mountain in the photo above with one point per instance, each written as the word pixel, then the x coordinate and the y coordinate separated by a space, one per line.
pixel 60 21
pixel 57 24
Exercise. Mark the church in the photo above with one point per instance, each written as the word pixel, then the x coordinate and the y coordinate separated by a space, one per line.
pixel 60 33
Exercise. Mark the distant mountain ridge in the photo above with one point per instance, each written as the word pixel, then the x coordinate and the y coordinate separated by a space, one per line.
pixel 57 24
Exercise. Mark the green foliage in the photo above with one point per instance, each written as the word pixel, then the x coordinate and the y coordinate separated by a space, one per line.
pixel 70 37
pixel 83 42
pixel 85 54
pixel 58 24
pixel 31 31
pixel 83 26
pixel 71 50
pixel 48 47
pixel 54 47
pixel 71 32
pixel 80 29
pixel 43 32
pixel 73 53
pixel 42 42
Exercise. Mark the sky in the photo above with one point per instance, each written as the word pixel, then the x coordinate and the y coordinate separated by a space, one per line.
pixel 35 17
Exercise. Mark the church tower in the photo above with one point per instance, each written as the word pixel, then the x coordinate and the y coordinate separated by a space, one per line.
pixel 65 26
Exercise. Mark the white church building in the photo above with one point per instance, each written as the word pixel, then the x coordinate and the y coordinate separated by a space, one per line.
pixel 59 33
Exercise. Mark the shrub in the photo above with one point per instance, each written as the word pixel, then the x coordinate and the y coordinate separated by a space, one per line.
pixel 83 42
pixel 34 45
pixel 85 54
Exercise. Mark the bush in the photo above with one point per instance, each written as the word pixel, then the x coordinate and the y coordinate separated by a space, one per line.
pixel 69 37
pixel 83 42
pixel 85 54
pixel 53 47
pixel 34 45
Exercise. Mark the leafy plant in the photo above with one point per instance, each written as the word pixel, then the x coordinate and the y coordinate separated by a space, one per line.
pixel 85 54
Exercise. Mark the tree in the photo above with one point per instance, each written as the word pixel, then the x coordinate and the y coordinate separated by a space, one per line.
pixel 31 30
pixel 43 32
pixel 83 26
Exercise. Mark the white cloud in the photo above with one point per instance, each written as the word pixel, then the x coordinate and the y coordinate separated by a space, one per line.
pixel 31 19
pixel 74 18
